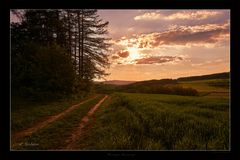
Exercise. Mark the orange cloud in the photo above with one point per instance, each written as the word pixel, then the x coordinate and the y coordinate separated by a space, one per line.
pixel 180 35
pixel 202 14
pixel 159 59
pixel 148 16
pixel 182 15
pixel 183 36
pixel 123 54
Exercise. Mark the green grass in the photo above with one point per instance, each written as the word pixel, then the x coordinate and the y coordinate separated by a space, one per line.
pixel 215 85
pixel 25 114
pixel 55 135
pixel 134 121
pixel 159 122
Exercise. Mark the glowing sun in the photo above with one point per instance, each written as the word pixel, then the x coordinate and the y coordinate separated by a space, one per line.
pixel 133 54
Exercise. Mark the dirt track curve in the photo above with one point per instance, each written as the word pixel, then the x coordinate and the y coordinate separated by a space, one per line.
pixel 78 132
pixel 43 124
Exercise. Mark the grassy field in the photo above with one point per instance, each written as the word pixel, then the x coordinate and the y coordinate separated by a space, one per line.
pixel 209 87
pixel 131 121
pixel 134 121
pixel 55 135
pixel 25 114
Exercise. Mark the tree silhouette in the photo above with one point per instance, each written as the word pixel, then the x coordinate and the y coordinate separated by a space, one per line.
pixel 80 34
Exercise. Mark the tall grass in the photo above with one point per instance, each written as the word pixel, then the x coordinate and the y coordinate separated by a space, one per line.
pixel 25 114
pixel 147 122
pixel 54 136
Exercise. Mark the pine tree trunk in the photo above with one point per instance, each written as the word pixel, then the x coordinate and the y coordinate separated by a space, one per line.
pixel 75 51
pixel 69 34
pixel 79 45
pixel 82 47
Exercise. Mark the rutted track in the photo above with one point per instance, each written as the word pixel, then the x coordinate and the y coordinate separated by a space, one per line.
pixel 78 132
pixel 42 124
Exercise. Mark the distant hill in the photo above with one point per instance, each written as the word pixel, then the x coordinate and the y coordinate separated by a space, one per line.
pixel 169 86
pixel 163 86
pixel 223 75
pixel 118 82
pixel 166 86
pixel 154 82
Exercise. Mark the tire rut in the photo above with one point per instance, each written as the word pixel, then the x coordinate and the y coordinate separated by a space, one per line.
pixel 42 124
pixel 80 129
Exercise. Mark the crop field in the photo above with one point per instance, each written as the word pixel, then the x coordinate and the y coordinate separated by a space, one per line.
pixel 54 135
pixel 26 113
pixel 210 87
pixel 133 121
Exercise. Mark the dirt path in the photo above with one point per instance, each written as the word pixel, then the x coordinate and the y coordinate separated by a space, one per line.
pixel 78 132
pixel 43 124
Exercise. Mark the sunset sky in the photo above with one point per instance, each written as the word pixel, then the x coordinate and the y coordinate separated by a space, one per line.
pixel 156 44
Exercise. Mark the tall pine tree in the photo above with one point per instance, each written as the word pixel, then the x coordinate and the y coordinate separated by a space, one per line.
pixel 81 33
pixel 94 45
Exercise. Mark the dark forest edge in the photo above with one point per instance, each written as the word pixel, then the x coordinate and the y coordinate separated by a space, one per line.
pixel 57 53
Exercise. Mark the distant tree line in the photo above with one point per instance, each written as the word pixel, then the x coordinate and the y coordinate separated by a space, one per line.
pixel 224 75
pixel 163 86
pixel 57 51
pixel 160 88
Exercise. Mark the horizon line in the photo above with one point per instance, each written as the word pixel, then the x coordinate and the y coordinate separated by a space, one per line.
pixel 160 78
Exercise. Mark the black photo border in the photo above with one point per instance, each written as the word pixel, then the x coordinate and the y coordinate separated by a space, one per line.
pixel 233 154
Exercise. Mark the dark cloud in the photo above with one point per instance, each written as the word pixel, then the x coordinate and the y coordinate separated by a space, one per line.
pixel 159 59
pixel 183 36
pixel 180 35
pixel 123 54
pixel 115 57
pixel 143 44
pixel 121 20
